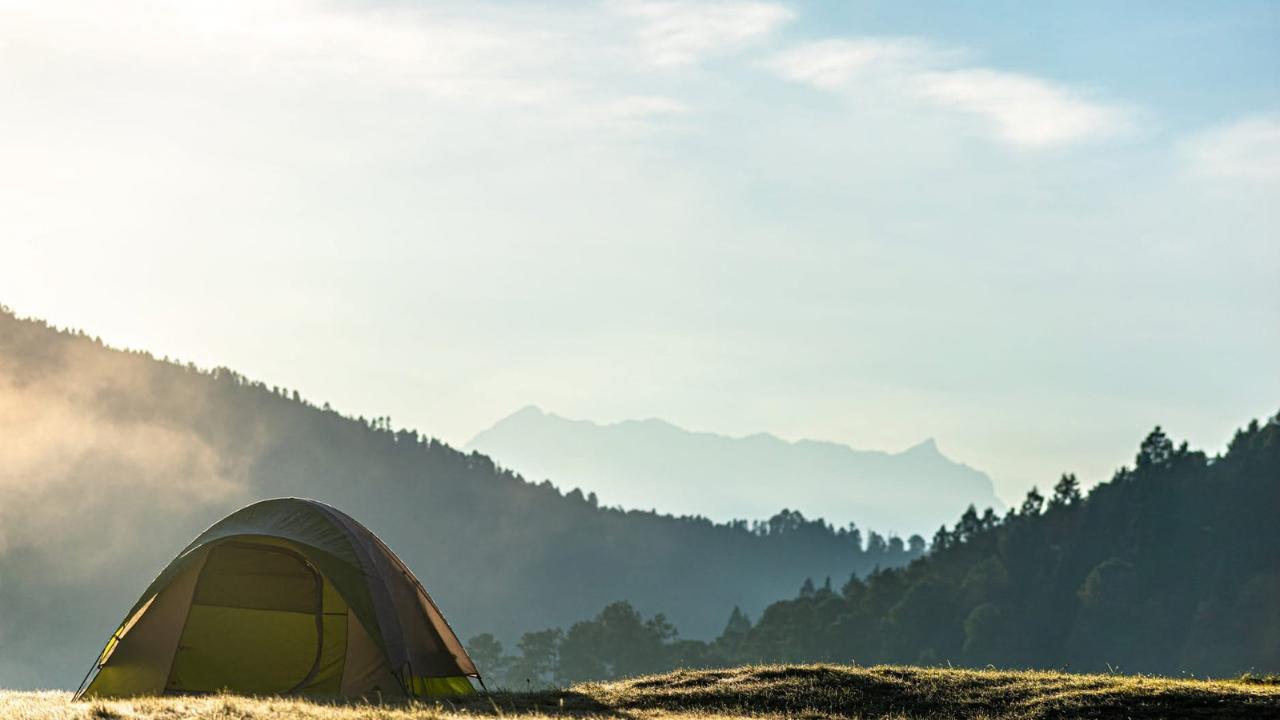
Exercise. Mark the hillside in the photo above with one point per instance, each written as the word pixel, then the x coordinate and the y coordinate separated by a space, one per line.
pixel 651 462
pixel 1171 567
pixel 112 461
pixel 812 691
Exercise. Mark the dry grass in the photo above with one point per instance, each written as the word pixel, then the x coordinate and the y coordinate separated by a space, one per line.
pixel 765 691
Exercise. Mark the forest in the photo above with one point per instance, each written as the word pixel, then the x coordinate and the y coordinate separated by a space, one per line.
pixel 113 460
pixel 1172 567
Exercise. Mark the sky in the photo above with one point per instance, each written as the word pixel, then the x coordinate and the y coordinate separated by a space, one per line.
pixel 1031 231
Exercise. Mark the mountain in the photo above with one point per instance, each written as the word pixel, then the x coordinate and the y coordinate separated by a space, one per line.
pixel 111 461
pixel 1172 568
pixel 652 463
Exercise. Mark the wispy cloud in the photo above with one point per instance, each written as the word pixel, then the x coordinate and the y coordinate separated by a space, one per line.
pixel 1248 149
pixel 832 64
pixel 1024 110
pixel 486 57
pixel 673 34
pixel 570 69
pixel 1020 109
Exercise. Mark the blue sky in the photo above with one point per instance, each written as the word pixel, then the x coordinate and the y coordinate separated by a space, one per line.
pixel 1030 231
pixel 1197 62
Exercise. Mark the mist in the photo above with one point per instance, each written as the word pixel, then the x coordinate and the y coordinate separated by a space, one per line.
pixel 114 460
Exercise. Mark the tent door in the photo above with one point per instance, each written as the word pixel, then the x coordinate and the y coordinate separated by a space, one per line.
pixel 255 624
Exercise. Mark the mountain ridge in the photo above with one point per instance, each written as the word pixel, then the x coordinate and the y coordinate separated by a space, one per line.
pixel 929 444
pixel 628 461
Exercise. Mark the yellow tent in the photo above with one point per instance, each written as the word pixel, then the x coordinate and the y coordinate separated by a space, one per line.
pixel 284 597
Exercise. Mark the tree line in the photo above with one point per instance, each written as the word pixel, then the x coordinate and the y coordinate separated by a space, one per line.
pixel 1171 567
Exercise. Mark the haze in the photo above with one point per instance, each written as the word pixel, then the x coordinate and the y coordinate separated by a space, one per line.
pixel 871 224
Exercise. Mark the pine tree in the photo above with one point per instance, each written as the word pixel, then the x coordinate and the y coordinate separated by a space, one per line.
pixel 807 590
pixel 941 539
pixel 1156 450
pixel 1066 492
pixel 1033 504
pixel 969 525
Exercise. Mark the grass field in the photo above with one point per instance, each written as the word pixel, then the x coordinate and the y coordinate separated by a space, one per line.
pixel 766 691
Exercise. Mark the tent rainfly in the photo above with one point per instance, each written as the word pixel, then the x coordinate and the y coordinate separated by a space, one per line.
pixel 284 597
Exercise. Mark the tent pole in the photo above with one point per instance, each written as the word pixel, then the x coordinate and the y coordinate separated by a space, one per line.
pixel 95 666
pixel 80 687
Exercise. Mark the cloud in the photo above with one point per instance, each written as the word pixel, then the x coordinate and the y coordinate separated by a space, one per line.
pixel 1248 149
pixel 674 34
pixel 127 91
pixel 1021 110
pixel 569 67
pixel 832 64
pixel 1024 110
pixel 486 57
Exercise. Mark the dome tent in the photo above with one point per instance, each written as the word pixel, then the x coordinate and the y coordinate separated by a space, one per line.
pixel 284 596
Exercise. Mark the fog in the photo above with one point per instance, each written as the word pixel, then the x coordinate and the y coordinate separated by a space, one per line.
pixel 79 483
pixel 92 491
pixel 114 461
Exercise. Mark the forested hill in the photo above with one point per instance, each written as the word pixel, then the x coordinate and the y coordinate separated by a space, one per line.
pixel 112 461
pixel 1171 567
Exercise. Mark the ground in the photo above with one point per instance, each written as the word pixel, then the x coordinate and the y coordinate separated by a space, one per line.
pixel 763 691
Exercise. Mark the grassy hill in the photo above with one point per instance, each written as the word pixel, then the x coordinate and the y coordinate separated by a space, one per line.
pixel 759 691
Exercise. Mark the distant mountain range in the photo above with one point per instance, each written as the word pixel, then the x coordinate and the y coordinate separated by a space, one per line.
pixel 654 464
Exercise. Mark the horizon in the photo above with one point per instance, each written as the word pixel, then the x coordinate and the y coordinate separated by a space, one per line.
pixel 865 225
pixel 1008 495
pixel 564 485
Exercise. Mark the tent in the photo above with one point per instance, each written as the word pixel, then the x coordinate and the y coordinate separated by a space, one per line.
pixel 284 597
